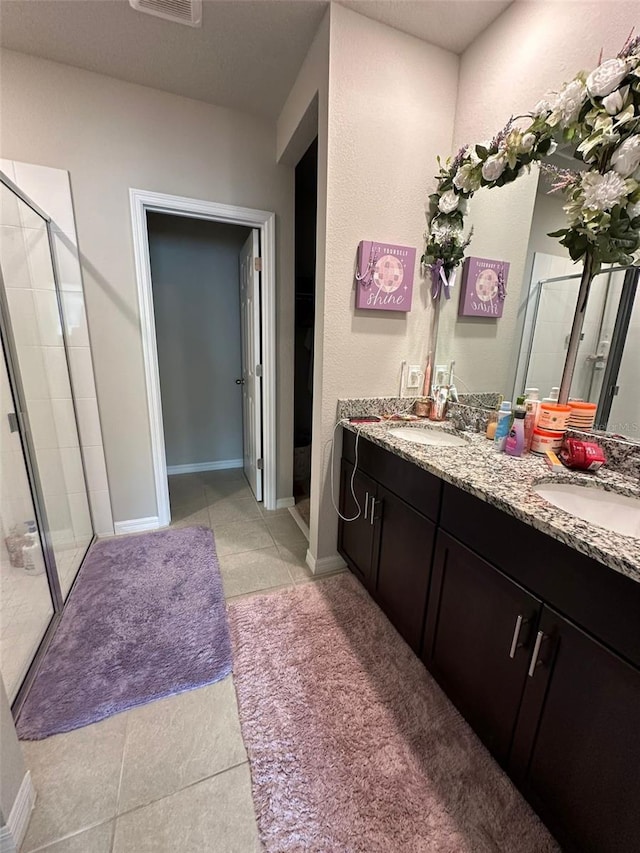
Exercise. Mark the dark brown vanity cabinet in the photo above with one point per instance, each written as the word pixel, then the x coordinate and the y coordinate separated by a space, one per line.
pixel 478 641
pixel 389 544
pixel 576 749
pixel 537 644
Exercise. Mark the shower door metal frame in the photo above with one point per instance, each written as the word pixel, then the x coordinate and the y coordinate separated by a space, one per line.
pixel 9 349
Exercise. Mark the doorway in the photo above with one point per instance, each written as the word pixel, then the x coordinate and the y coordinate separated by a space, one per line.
pixel 306 201
pixel 207 346
pixel 258 375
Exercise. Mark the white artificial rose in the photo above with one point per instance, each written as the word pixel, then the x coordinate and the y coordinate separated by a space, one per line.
pixel 602 192
pixel 527 142
pixel 567 105
pixel 493 167
pixel 633 210
pixel 466 179
pixel 606 77
pixel 448 202
pixel 543 106
pixel 626 158
pixel 614 102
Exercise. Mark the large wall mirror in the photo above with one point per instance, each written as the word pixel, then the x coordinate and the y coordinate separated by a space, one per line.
pixel 527 346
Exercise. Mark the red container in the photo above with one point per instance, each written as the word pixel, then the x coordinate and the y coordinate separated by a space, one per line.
pixel 583 455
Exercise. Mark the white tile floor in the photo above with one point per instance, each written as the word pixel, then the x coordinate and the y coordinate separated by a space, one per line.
pixel 172 775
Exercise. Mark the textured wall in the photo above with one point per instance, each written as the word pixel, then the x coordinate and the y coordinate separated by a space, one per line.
pixel 533 47
pixel 111 136
pixel 391 110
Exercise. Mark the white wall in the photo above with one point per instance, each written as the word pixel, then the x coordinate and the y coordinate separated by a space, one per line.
pixel 196 295
pixel 386 122
pixel 111 136
pixel 529 49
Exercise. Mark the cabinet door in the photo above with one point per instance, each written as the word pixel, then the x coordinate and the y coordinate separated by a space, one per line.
pixel 576 751
pixel 404 548
pixel 355 537
pixel 478 640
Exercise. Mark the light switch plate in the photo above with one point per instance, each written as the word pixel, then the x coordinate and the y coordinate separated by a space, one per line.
pixel 414 376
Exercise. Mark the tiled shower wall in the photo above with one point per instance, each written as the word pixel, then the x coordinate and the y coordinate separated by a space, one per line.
pixel 50 189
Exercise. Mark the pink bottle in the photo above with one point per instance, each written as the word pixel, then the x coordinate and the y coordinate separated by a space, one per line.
pixel 515 443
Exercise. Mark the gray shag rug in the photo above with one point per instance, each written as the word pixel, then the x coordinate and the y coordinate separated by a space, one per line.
pixel 146 619
pixel 352 745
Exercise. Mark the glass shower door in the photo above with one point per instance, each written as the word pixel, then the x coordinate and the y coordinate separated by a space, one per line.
pixel 26 605
pixel 38 349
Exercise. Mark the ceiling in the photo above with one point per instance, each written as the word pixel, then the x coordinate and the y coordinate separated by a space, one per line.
pixel 246 55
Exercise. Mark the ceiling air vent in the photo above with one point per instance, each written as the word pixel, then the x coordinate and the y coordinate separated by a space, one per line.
pixel 187 12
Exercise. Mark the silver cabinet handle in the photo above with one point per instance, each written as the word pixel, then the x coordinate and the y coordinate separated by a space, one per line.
pixel 536 652
pixel 373 508
pixel 366 504
pixel 516 635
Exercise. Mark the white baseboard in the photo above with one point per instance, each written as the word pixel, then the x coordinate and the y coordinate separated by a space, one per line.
pixel 285 503
pixel 302 524
pixel 194 467
pixel 136 525
pixel 12 835
pixel 325 564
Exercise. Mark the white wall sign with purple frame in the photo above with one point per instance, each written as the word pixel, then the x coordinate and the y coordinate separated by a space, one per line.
pixel 384 276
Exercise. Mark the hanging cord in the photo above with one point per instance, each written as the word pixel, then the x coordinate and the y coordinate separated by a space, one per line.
pixel 332 442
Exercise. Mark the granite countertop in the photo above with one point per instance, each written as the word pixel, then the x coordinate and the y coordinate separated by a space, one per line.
pixel 508 483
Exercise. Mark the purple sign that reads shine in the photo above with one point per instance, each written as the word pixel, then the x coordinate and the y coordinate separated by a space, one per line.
pixel 384 278
pixel 484 288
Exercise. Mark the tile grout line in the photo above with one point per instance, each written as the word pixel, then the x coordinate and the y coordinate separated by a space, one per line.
pixel 184 788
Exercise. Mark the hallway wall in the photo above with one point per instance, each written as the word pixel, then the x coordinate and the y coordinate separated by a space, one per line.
pixel 196 295
pixel 112 136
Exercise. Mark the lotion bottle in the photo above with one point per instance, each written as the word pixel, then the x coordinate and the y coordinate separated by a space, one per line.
pixel 502 427
pixel 515 442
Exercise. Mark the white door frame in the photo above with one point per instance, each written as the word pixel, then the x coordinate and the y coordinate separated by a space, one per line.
pixel 142 202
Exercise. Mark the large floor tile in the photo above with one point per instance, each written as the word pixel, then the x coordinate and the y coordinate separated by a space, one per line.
pixel 294 556
pixel 96 840
pixel 242 536
pixel 189 516
pixel 213 816
pixel 285 531
pixel 177 741
pixel 76 777
pixel 252 571
pixel 231 510
pixel 222 489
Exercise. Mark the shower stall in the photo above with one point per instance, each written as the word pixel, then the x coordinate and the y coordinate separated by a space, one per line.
pixel 46 526
pixel 609 352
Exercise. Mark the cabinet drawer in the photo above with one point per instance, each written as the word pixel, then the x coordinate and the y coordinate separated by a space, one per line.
pixel 415 486
pixel 602 601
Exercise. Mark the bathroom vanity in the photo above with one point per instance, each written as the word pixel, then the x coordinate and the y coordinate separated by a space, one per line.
pixel 528 619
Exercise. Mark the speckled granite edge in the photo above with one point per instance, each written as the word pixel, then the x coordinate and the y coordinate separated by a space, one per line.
pixel 507 484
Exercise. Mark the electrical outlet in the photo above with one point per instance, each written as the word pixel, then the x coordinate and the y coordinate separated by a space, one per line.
pixel 441 368
pixel 414 376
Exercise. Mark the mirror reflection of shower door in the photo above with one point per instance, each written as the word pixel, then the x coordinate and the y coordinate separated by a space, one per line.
pixel 26 606
pixel 40 356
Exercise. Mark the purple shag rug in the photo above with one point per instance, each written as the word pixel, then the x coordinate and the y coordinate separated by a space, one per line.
pixel 146 619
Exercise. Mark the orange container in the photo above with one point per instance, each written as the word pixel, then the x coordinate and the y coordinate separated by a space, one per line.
pixel 544 439
pixel 553 416
pixel 582 415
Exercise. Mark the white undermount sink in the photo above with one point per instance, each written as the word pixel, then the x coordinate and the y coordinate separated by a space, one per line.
pixel 618 513
pixel 420 435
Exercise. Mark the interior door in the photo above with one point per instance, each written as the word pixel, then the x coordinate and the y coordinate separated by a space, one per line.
pixel 251 362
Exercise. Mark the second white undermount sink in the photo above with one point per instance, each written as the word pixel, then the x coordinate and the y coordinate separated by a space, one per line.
pixel 613 511
pixel 434 437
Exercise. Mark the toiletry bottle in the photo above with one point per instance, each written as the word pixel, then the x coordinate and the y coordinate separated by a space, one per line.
pixel 553 396
pixel 515 443
pixel 502 427
pixel 491 425
pixel 532 414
